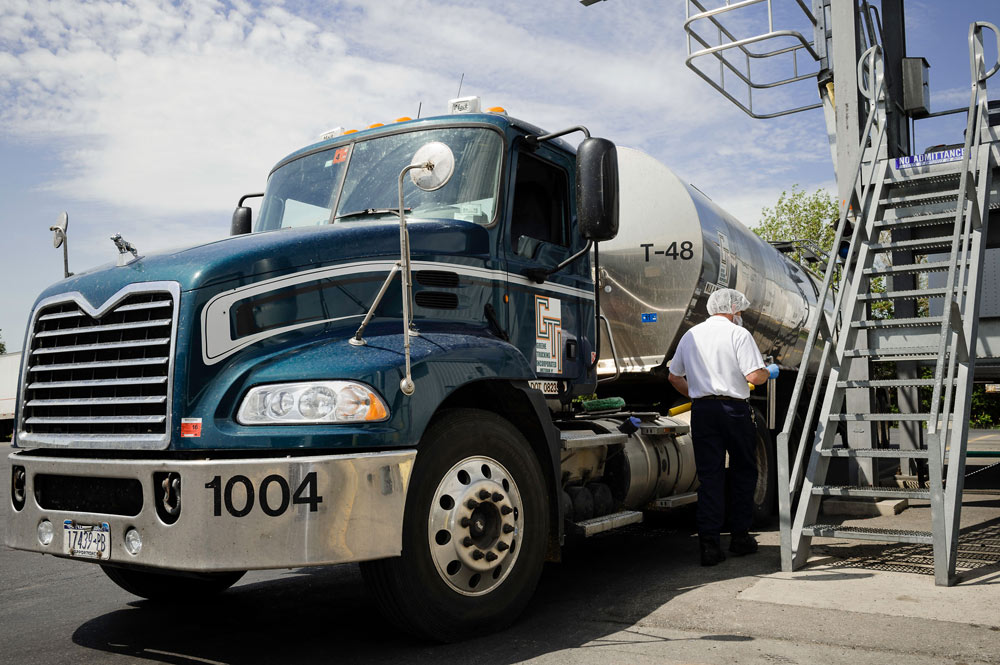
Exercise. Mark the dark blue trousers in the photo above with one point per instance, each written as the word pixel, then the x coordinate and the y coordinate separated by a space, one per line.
pixel 718 427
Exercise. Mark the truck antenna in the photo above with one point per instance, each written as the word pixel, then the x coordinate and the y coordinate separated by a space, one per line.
pixel 419 107
pixel 460 81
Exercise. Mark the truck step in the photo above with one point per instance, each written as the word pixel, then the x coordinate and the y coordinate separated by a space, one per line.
pixel 875 492
pixel 920 321
pixel 575 438
pixel 656 429
pixel 673 501
pixel 868 533
pixel 596 525
pixel 875 453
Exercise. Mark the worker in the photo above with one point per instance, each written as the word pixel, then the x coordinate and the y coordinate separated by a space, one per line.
pixel 713 364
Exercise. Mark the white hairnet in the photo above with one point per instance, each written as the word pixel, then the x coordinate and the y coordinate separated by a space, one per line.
pixel 727 301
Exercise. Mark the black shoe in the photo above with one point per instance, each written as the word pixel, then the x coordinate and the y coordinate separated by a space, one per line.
pixel 711 552
pixel 742 543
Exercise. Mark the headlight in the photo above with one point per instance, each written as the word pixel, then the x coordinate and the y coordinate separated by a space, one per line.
pixel 311 402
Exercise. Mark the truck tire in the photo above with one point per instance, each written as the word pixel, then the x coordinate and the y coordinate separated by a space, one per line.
pixel 475 531
pixel 171 586
pixel 765 497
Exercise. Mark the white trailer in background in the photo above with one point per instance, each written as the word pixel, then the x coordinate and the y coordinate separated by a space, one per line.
pixel 10 363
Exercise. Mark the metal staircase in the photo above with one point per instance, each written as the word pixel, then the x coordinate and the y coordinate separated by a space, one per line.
pixel 937 214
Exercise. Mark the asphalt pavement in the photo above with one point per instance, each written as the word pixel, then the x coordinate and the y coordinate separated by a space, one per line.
pixel 635 596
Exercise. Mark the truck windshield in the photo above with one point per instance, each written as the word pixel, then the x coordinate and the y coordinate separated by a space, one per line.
pixel 364 178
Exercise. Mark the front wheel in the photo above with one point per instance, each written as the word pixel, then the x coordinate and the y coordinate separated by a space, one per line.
pixel 474 531
pixel 171 586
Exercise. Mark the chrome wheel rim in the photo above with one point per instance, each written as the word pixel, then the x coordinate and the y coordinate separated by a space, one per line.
pixel 474 526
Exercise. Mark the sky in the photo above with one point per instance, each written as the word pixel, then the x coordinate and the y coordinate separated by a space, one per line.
pixel 151 118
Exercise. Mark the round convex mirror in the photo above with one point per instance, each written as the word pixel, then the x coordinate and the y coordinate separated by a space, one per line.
pixel 59 230
pixel 437 165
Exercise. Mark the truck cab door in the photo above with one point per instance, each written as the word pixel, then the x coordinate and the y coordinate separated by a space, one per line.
pixel 550 322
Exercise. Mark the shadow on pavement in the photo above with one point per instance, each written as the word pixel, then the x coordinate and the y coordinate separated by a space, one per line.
pixel 978 555
pixel 604 586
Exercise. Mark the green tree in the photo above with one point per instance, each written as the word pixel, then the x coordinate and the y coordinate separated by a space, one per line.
pixel 810 219
pixel 3 347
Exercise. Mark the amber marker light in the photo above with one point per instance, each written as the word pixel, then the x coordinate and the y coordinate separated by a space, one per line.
pixel 403 119
pixel 497 109
pixel 377 124
pixel 376 410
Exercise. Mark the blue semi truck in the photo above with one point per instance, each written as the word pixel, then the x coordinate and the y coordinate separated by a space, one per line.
pixel 389 364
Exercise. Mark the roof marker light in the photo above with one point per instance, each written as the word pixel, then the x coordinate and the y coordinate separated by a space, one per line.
pixel 403 119
pixel 497 109
pixel 351 131
pixel 465 105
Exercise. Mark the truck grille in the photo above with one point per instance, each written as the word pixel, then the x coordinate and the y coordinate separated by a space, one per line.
pixel 100 379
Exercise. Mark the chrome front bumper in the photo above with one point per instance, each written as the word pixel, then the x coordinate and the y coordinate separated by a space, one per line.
pixel 360 516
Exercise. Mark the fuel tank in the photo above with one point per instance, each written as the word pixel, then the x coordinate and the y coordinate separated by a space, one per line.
pixel 674 248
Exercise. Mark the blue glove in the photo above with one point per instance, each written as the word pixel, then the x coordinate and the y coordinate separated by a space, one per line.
pixel 772 371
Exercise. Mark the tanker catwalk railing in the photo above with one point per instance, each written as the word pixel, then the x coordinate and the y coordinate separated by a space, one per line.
pixel 728 41
pixel 874 91
pixel 960 313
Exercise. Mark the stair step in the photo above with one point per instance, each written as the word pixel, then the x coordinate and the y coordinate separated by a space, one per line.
pixel 879 417
pixel 886 383
pixel 869 491
pixel 908 178
pixel 604 523
pixel 905 295
pixel 910 353
pixel 869 533
pixel 930 266
pixel 919 243
pixel 879 453
pixel 914 221
pixel 906 200
pixel 920 321
pixel 587 439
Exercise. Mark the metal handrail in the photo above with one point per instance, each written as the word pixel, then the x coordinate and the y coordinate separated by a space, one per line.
pixel 960 248
pixel 788 483
pixel 876 98
pixel 741 44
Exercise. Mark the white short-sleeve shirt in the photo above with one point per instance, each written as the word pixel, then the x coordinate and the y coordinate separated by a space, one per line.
pixel 715 356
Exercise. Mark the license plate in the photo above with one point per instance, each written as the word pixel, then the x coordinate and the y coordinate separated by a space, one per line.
pixel 87 541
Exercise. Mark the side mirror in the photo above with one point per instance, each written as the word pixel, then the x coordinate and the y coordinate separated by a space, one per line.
pixel 597 189
pixel 242 217
pixel 432 166
pixel 59 230
pixel 241 221
pixel 59 240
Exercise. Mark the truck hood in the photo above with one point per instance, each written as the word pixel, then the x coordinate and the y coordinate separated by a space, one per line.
pixel 248 258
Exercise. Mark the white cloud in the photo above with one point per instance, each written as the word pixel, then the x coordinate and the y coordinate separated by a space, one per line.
pixel 178 109
pixel 160 114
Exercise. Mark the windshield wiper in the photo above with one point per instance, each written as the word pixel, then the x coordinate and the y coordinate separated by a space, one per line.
pixel 372 211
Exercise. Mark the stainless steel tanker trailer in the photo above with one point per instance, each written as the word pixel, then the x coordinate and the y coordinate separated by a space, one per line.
pixel 674 248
